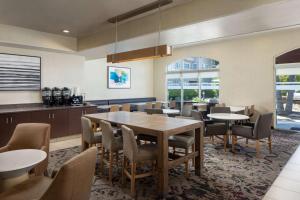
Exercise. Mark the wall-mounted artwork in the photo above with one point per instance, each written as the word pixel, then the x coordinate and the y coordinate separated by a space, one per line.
pixel 118 77
pixel 19 72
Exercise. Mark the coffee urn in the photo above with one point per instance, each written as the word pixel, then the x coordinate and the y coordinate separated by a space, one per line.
pixel 57 96
pixel 66 96
pixel 47 96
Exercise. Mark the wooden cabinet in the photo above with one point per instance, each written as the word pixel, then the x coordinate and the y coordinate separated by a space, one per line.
pixel 75 115
pixel 64 121
pixel 8 123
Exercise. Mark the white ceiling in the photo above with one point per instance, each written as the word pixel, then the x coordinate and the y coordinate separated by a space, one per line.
pixel 268 17
pixel 81 17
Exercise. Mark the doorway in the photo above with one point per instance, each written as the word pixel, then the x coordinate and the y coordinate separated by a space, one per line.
pixel 287 72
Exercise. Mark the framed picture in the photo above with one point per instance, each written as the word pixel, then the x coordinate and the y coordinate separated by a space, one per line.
pixel 20 72
pixel 118 77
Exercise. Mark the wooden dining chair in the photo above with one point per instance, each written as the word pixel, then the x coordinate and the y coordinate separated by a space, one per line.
pixel 158 105
pixel 133 155
pixel 89 137
pixel 111 145
pixel 172 104
pixel 126 107
pixel 114 108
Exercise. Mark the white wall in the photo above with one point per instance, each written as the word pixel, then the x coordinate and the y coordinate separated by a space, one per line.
pixel 246 66
pixel 95 80
pixel 58 69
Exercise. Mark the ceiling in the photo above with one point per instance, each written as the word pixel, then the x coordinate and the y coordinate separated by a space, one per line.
pixel 81 17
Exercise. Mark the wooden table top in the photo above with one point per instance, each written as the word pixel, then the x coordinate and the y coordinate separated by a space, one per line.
pixel 153 123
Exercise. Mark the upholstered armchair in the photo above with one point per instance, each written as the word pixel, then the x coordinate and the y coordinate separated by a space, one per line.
pixel 72 182
pixel 260 131
pixel 31 136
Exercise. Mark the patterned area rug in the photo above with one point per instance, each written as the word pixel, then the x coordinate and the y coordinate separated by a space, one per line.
pixel 225 176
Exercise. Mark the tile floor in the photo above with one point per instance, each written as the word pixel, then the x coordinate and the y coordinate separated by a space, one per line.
pixel 287 184
pixel 66 142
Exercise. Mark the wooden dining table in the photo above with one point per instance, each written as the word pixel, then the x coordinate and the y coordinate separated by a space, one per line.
pixel 162 127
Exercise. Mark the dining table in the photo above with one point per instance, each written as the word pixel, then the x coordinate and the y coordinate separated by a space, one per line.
pixel 162 128
pixel 171 111
pixel 15 165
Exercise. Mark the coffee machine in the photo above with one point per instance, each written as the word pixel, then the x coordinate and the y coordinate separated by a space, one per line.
pixel 57 96
pixel 47 96
pixel 66 96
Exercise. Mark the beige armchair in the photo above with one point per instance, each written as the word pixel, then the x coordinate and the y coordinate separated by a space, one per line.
pixel 31 136
pixel 72 182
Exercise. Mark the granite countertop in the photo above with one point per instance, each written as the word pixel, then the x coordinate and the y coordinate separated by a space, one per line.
pixel 35 107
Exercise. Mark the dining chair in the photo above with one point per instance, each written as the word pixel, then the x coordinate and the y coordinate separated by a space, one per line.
pixel 220 105
pixel 133 155
pixel 89 137
pixel 158 105
pixel 172 104
pixel 31 136
pixel 114 108
pixel 220 110
pixel 73 181
pixel 140 108
pixel 260 131
pixel 126 107
pixel 111 144
pixel 187 110
pixel 148 105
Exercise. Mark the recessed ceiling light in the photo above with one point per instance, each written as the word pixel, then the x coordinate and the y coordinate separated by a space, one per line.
pixel 66 31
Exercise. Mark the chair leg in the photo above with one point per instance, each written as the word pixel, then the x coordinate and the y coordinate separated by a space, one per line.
pixel 124 167
pixel 257 148
pixel 101 159
pixel 213 139
pixel 247 141
pixel 186 163
pixel 111 156
pixel 270 144
pixel 225 142
pixel 174 151
pixel 193 149
pixel 133 171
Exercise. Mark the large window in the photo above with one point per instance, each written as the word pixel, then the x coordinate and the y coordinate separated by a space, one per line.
pixel 193 80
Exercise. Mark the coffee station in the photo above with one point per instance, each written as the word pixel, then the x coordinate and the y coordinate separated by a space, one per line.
pixel 60 107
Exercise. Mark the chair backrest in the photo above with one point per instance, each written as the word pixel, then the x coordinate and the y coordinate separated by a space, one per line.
pixel 197 115
pixel 158 105
pixel 172 104
pixel 30 136
pixel 126 107
pixel 220 105
pixel 74 179
pixel 220 110
pixel 87 130
pixel 154 111
pixel 148 105
pixel 187 110
pixel 250 111
pixel 262 127
pixel 108 138
pixel 140 108
pixel 162 115
pixel 130 147
pixel 114 108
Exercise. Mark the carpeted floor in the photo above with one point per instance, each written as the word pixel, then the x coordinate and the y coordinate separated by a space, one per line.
pixel 225 176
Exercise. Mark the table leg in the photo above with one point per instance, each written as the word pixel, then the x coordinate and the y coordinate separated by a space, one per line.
pixel 199 146
pixel 163 168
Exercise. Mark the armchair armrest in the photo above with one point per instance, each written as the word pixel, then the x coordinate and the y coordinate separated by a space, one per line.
pixel 244 131
pixel 4 149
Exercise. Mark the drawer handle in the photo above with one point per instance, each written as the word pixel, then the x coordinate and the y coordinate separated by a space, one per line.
pixel 53 115
pixel 11 120
pixel 49 116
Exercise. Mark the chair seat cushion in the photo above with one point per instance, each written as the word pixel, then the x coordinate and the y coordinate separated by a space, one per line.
pixel 244 131
pixel 181 141
pixel 33 188
pixel 147 152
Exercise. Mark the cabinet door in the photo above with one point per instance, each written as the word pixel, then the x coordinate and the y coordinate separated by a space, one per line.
pixel 20 117
pixel 41 117
pixel 60 123
pixel 75 120
pixel 5 129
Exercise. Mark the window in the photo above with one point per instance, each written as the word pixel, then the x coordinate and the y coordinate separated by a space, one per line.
pixel 192 80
